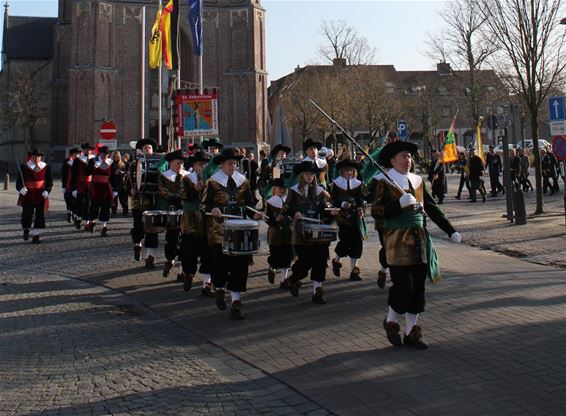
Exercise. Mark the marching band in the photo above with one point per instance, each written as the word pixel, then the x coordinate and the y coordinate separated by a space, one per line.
pixel 206 208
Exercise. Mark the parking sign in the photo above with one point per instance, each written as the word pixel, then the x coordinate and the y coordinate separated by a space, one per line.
pixel 402 130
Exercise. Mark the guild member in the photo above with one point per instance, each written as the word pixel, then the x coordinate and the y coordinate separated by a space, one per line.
pixel 170 187
pixel 437 177
pixel 347 194
pixel 212 147
pixel 66 174
pixel 272 169
pixel 308 199
pixel 227 192
pixel 80 183
pixel 194 245
pixel 410 254
pixel 311 148
pixel 278 234
pixel 34 185
pixel 102 190
pixel 142 200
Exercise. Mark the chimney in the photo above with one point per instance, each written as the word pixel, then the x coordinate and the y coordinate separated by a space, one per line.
pixel 339 62
pixel 443 68
pixel 297 68
pixel 4 30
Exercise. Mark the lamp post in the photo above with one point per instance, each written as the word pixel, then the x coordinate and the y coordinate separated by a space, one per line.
pixel 507 180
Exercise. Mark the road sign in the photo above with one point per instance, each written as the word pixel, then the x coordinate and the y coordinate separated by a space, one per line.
pixel 108 130
pixel 559 147
pixel 402 130
pixel 556 109
pixel 558 128
pixel 112 144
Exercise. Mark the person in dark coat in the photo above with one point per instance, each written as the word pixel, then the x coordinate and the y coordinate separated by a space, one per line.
pixel 437 177
pixel 493 162
pixel 477 168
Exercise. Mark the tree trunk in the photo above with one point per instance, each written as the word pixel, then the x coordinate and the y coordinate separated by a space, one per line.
pixel 27 138
pixel 538 169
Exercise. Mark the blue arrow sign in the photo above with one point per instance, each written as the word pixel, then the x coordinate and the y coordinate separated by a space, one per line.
pixel 402 131
pixel 556 108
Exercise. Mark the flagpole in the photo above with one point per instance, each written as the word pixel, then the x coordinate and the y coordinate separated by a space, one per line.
pixel 178 83
pixel 200 65
pixel 142 92
pixel 160 81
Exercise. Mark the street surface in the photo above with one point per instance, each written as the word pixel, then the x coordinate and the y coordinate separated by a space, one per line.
pixel 84 329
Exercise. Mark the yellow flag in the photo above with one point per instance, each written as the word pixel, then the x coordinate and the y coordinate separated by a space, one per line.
pixel 155 43
pixel 479 141
pixel 166 35
pixel 449 149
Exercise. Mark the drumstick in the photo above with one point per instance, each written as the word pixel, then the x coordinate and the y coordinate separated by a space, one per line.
pixel 235 217
pixel 310 219
pixel 258 212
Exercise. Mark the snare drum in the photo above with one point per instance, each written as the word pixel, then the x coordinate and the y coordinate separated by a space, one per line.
pixel 155 221
pixel 241 237
pixel 174 219
pixel 318 233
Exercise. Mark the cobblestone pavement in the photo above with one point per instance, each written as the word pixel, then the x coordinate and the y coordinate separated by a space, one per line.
pixel 495 325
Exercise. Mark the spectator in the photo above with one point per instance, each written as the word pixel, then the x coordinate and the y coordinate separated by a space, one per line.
pixel 437 177
pixel 476 175
pixel 121 170
pixel 524 172
pixel 493 161
pixel 461 166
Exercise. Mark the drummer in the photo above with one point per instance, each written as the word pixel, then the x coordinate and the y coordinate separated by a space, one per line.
pixel 308 199
pixel 212 147
pixel 227 192
pixel 170 187
pixel 278 234
pixel 347 195
pixel 193 228
pixel 311 148
pixel 140 202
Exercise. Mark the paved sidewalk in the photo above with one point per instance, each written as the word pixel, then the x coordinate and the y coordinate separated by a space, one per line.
pixel 495 325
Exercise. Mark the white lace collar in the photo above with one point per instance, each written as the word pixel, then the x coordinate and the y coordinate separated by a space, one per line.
pixel 320 162
pixel 70 162
pixel 295 188
pixel 277 201
pixel 193 177
pixel 342 183
pixel 85 158
pixel 99 162
pixel 221 178
pixel 172 176
pixel 33 166
pixel 402 179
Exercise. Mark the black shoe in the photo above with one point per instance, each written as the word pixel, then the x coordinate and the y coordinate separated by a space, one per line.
pixel 415 339
pixel 318 297
pixel 207 291
pixel 187 281
pixel 220 301
pixel 78 224
pixel 125 213
pixel 294 288
pixel 150 262
pixel 392 330
pixel 169 264
pixel 457 197
pixel 236 311
pixel 284 285
pixel 483 198
pixel 26 234
pixel 137 252
pixel 381 278
pixel 104 232
pixel 271 275
pixel 35 239
pixel 355 275
pixel 69 216
pixel 336 268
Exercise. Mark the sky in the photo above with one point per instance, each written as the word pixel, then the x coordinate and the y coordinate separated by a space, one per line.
pixel 396 28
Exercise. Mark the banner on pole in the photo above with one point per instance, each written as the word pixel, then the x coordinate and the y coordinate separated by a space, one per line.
pixel 195 22
pixel 197 114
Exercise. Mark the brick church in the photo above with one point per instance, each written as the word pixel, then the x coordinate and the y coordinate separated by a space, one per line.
pixel 87 65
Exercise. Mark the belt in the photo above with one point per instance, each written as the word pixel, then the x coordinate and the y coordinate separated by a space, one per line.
pixel 84 178
pixel 35 184
pixel 101 179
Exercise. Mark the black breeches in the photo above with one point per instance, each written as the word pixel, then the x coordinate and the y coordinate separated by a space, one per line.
pixel 100 210
pixel 82 205
pixel 192 249
pixel 230 270
pixel 28 215
pixel 310 257
pixel 171 244
pixel 382 256
pixel 69 201
pixel 407 294
pixel 463 181
pixel 350 243
pixel 138 234
pixel 280 256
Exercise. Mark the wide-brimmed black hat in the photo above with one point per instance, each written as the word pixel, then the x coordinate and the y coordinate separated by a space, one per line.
pixel 36 152
pixel 73 151
pixel 214 142
pixel 103 149
pixel 391 149
pixel 311 143
pixel 307 166
pixel 277 182
pixel 87 146
pixel 198 156
pixel 176 155
pixel 226 154
pixel 346 163
pixel 277 148
pixel 142 142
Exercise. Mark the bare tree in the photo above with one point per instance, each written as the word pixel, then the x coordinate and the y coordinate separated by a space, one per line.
pixel 530 51
pixel 343 42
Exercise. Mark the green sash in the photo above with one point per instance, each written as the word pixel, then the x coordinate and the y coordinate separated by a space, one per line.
pixel 416 220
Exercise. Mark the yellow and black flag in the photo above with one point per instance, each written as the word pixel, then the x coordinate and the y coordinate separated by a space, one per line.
pixel 164 39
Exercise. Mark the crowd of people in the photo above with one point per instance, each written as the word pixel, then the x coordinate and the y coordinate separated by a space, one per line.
pixel 207 203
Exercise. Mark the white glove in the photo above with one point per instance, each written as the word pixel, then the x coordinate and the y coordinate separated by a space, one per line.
pixel 74 193
pixel 406 200
pixel 114 194
pixel 63 189
pixel 45 194
pixel 456 237
pixel 23 191
pixel 345 205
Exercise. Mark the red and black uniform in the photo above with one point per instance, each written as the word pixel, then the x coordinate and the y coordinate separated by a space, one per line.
pixel 37 180
pixel 81 178
pixel 101 189
pixel 66 174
